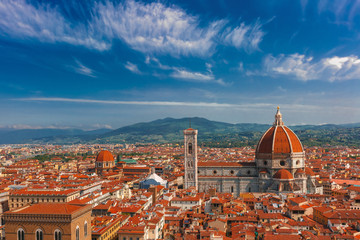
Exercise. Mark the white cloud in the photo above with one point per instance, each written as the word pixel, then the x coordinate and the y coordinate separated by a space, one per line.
pixel 20 19
pixel 196 76
pixel 154 103
pixel 84 70
pixel 305 68
pixel 248 106
pixel 25 126
pixel 244 36
pixel 99 126
pixel 132 67
pixel 146 27
pixel 155 27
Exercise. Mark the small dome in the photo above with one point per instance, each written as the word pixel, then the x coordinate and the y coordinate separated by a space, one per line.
pixel 283 174
pixel 299 171
pixel 279 139
pixel 309 172
pixel 105 156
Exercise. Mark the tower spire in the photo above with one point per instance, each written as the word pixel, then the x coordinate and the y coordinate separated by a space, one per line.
pixel 278 118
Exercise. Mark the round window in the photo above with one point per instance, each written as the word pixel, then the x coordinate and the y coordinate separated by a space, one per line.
pixel 248 172
pixel 265 162
pixel 282 163
pixel 297 162
pixel 215 172
pixel 232 172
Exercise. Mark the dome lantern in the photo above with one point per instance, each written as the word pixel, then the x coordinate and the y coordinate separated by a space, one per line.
pixel 278 118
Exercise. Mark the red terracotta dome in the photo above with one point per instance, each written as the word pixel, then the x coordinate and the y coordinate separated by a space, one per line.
pixel 279 139
pixel 309 172
pixel 105 156
pixel 299 171
pixel 283 174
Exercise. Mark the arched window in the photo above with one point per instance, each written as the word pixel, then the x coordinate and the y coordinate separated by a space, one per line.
pixel 39 234
pixel 21 234
pixel 77 233
pixel 57 235
pixel 85 228
pixel 190 148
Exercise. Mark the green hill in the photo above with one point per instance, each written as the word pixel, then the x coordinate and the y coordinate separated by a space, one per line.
pixel 170 130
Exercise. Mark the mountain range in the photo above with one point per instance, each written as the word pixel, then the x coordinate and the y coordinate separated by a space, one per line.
pixel 169 130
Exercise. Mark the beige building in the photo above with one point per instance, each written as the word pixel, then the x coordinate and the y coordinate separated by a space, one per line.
pixel 134 233
pixel 107 229
pixel 23 197
pixel 49 221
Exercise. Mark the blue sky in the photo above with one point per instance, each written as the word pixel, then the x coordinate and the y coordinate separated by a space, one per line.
pixel 93 64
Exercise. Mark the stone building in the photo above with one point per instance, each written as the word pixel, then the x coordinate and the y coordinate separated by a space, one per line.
pixel 191 168
pixel 49 221
pixel 279 166
pixel 23 197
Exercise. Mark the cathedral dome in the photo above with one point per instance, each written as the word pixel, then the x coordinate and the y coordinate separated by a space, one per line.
pixel 105 156
pixel 279 139
pixel 283 174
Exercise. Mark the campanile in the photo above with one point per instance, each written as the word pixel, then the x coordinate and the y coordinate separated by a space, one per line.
pixel 190 158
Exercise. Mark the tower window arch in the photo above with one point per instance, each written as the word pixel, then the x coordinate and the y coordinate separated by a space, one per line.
pixel 85 229
pixel 77 233
pixel 39 234
pixel 57 235
pixel 20 234
pixel 190 148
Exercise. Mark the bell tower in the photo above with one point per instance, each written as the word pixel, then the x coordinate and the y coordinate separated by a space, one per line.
pixel 190 157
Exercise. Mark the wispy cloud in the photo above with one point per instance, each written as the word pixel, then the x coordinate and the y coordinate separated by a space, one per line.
pixel 154 103
pixel 244 36
pixel 132 67
pixel 22 20
pixel 344 11
pixel 146 27
pixel 25 126
pixel 192 76
pixel 248 106
pixel 196 76
pixel 84 70
pixel 305 68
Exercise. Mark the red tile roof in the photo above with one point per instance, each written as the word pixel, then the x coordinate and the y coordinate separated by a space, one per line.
pixel 50 208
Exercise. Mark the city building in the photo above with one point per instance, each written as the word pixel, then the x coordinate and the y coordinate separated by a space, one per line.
pixel 279 166
pixel 23 197
pixel 49 221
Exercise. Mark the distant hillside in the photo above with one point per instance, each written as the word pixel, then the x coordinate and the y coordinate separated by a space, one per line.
pixel 169 130
pixel 8 136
